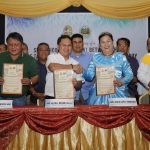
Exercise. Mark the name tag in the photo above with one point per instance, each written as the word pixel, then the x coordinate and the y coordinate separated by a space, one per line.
pixel 59 103
pixel 5 104
pixel 122 102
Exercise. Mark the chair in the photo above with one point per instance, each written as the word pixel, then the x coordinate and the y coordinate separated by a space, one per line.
pixel 145 98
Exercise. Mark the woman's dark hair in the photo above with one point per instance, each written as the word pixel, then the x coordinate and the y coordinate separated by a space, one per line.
pixel 104 34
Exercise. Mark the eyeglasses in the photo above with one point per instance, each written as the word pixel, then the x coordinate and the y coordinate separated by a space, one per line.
pixel 41 50
pixel 13 45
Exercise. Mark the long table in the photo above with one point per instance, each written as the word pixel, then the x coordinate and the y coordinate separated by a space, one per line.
pixel 81 127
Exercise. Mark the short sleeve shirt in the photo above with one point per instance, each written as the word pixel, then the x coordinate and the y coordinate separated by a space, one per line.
pixel 57 58
pixel 29 68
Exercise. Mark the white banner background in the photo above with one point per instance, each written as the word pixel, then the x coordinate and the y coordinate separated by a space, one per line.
pixel 49 28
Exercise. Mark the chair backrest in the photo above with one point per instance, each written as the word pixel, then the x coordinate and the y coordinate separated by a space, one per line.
pixel 144 99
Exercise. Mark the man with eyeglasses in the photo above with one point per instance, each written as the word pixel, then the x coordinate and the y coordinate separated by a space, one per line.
pixel 37 91
pixel 123 45
pixel 14 55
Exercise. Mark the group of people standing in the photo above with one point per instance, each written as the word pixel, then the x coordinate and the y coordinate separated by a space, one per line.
pixel 38 74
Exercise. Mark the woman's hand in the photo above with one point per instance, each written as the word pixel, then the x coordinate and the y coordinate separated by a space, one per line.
pixel 118 83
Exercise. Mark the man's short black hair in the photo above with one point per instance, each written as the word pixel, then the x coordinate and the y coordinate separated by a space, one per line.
pixel 63 37
pixel 124 39
pixel 43 43
pixel 77 35
pixel 147 41
pixel 15 35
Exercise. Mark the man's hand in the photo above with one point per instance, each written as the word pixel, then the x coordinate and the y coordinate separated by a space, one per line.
pixel 40 96
pixel 77 84
pixel 77 68
pixel 1 81
pixel 74 82
pixel 26 81
pixel 134 80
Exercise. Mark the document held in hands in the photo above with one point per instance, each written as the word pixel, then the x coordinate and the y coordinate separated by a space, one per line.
pixel 63 85
pixel 105 76
pixel 12 74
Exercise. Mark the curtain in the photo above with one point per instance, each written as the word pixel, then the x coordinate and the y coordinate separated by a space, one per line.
pixel 108 8
pixel 54 121
pixel 82 136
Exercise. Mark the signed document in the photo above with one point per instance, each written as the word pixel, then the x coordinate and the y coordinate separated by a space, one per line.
pixel 105 76
pixel 12 74
pixel 63 84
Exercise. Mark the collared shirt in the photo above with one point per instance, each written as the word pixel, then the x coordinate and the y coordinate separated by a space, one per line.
pixel 133 63
pixel 84 59
pixel 29 68
pixel 144 70
pixel 57 58
pixel 132 86
pixel 40 86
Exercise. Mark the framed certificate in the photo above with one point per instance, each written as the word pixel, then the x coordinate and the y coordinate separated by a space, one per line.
pixel 12 74
pixel 63 85
pixel 105 76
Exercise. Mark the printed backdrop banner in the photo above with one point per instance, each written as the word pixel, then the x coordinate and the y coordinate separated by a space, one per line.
pixel 49 28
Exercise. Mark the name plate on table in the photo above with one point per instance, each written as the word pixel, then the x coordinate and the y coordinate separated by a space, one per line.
pixel 122 102
pixel 59 103
pixel 5 104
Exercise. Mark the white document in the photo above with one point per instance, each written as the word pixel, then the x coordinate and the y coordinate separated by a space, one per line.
pixel 63 84
pixel 12 74
pixel 105 76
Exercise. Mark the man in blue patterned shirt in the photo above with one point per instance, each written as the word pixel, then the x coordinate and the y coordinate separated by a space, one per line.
pixel 83 58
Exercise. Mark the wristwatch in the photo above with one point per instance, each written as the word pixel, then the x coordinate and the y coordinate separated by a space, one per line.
pixel 31 82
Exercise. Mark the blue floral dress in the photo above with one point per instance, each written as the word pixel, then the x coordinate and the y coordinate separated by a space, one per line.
pixel 123 73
